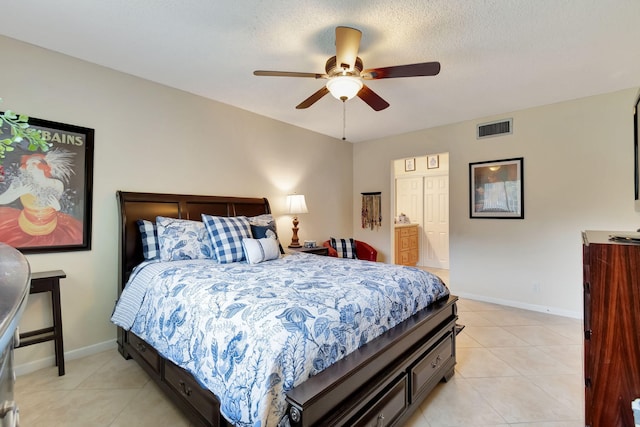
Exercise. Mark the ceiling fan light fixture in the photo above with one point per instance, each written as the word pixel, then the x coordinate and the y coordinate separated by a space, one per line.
pixel 344 87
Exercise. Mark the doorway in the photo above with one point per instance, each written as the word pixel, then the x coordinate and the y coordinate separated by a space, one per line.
pixel 422 194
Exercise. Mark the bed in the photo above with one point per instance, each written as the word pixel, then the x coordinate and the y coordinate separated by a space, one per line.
pixel 380 382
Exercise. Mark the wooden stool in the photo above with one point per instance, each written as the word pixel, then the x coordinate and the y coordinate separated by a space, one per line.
pixel 48 281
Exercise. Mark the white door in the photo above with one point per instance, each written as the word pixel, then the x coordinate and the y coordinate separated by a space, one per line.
pixel 409 198
pixel 436 222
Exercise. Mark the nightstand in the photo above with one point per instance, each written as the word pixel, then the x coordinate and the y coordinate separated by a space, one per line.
pixel 318 250
pixel 48 281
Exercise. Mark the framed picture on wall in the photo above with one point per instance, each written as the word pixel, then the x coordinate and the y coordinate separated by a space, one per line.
pixel 46 192
pixel 636 149
pixel 496 189
pixel 409 165
pixel 433 162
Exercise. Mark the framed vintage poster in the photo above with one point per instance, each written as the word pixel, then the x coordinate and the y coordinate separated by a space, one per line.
pixel 496 189
pixel 46 190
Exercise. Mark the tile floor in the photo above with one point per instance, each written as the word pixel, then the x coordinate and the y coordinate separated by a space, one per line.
pixel 515 368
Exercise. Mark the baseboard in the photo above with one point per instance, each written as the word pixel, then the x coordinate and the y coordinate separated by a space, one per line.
pixel 518 304
pixel 27 368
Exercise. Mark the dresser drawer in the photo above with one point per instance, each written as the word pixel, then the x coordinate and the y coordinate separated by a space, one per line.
pixel 404 258
pixel 386 408
pixel 412 257
pixel 405 243
pixel 428 366
pixel 145 351
pixel 198 398
pixel 408 231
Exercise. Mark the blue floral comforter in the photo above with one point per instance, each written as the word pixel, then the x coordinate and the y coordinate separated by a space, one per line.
pixel 249 332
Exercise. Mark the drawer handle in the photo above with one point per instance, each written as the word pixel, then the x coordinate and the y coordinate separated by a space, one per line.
pixel 296 416
pixel 380 421
pixel 185 389
pixel 436 362
pixel 141 347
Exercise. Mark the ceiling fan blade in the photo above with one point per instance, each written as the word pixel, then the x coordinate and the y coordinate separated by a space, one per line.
pixel 372 98
pixel 288 74
pixel 313 98
pixel 411 70
pixel 347 45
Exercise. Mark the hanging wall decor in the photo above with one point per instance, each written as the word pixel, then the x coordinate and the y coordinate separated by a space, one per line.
pixel 371 210
pixel 46 188
pixel 496 189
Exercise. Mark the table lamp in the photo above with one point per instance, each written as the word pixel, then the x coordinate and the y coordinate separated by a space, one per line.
pixel 296 205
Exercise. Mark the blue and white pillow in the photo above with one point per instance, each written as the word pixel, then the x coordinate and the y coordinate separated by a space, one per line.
pixel 183 239
pixel 261 224
pixel 149 234
pixel 260 250
pixel 346 248
pixel 226 234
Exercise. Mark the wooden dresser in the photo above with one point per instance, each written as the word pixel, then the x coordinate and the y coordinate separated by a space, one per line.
pixel 406 239
pixel 611 285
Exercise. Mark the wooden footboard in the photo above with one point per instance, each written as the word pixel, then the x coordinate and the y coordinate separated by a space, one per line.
pixel 380 384
pixel 198 404
pixel 384 381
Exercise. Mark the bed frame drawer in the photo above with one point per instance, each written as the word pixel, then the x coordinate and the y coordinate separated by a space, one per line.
pixel 198 398
pixel 429 367
pixel 146 352
pixel 386 408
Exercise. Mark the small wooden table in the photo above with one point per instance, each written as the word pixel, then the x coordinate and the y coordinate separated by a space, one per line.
pixel 48 281
pixel 317 250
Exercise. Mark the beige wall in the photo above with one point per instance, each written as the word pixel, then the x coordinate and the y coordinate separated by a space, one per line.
pixel 578 174
pixel 156 139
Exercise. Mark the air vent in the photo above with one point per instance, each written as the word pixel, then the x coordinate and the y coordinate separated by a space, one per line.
pixel 502 127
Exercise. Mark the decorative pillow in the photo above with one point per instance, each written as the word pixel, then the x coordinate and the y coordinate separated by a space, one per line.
pixel 261 224
pixel 183 239
pixel 259 250
pixel 226 235
pixel 149 234
pixel 346 248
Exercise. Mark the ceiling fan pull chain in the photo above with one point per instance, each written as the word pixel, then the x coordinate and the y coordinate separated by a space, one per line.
pixel 344 119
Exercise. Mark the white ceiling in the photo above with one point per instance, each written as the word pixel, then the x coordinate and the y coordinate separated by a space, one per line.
pixel 497 56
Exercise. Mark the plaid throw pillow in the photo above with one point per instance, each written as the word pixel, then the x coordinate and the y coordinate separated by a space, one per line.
pixel 149 234
pixel 346 248
pixel 226 235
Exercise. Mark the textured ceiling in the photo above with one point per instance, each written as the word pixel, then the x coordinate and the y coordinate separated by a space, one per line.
pixel 497 56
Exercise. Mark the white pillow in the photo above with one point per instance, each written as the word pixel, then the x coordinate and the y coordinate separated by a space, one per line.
pixel 259 250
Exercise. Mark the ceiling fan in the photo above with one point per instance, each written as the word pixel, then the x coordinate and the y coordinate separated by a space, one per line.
pixel 345 73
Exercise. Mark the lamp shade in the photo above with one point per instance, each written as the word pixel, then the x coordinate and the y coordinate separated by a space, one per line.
pixel 344 87
pixel 296 204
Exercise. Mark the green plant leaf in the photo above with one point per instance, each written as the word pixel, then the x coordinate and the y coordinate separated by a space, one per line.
pixel 20 130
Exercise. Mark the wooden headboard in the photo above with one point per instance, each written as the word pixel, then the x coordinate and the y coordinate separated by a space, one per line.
pixel 135 206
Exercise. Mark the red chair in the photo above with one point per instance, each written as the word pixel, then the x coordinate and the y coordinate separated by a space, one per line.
pixel 363 251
